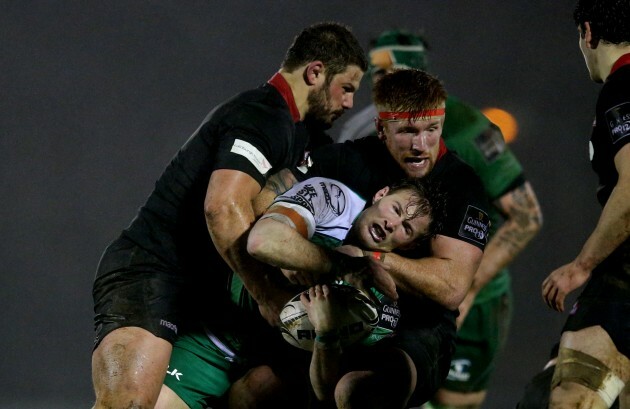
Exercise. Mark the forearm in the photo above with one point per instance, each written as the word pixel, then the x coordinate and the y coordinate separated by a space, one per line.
pixel 523 221
pixel 229 216
pixel 504 246
pixel 324 370
pixel 612 229
pixel 439 279
pixel 282 246
pixel 228 226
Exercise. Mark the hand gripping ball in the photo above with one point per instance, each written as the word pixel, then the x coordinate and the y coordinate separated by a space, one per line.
pixel 356 313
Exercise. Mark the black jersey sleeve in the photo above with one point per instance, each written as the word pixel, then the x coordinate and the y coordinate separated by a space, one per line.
pixel 254 139
pixel 255 133
pixel 614 108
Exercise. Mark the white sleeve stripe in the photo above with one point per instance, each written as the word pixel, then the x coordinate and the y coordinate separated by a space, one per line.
pixel 252 154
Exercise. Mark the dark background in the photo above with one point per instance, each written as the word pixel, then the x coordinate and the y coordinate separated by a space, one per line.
pixel 96 96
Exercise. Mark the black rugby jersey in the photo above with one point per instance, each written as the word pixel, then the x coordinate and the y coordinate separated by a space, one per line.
pixel 366 166
pixel 254 132
pixel 611 131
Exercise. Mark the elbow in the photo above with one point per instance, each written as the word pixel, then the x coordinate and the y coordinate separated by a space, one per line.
pixel 453 302
pixel 533 227
pixel 536 221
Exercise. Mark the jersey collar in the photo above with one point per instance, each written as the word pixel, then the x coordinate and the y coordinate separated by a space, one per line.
pixel 284 89
pixel 623 60
pixel 443 149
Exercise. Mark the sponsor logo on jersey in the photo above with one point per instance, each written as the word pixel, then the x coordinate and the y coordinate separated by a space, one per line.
pixel 304 197
pixel 618 121
pixel 335 198
pixel 460 370
pixel 252 154
pixel 475 225
pixel 390 314
pixel 490 143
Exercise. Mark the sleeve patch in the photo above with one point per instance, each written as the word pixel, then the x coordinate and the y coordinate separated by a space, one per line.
pixel 475 225
pixel 618 121
pixel 490 142
pixel 252 154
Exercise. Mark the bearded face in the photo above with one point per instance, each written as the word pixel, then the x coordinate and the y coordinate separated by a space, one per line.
pixel 335 95
pixel 321 112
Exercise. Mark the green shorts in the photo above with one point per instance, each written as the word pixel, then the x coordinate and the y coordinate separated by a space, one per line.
pixel 204 363
pixel 202 367
pixel 479 341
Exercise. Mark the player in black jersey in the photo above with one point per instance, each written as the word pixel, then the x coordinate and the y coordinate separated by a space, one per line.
pixel 431 280
pixel 593 364
pixel 190 233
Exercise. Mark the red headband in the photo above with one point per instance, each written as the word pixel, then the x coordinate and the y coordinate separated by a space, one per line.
pixel 393 116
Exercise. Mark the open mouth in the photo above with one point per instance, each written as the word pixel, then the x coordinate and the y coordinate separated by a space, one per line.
pixel 377 232
pixel 416 161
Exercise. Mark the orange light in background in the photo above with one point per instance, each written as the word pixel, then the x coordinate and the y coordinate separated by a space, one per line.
pixel 504 120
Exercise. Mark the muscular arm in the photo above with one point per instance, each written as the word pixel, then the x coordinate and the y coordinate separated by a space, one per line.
pixel 277 184
pixel 523 222
pixel 612 229
pixel 324 371
pixel 229 216
pixel 445 277
pixel 275 242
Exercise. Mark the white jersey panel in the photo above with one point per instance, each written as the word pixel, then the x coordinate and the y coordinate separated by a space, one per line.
pixel 329 207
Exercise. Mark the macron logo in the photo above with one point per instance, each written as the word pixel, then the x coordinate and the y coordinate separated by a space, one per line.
pixel 169 325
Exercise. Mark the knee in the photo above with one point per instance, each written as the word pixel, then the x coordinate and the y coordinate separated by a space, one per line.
pixel 262 387
pixel 585 380
pixel 361 390
pixel 445 399
pixel 129 372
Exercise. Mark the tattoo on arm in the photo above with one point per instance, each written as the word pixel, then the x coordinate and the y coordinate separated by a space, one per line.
pixel 280 182
pixel 524 218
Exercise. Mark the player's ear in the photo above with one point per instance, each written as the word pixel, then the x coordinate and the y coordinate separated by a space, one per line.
pixel 380 194
pixel 314 73
pixel 379 128
pixel 590 39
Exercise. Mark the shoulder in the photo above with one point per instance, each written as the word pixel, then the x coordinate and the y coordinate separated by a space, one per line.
pixel 322 196
pixel 451 165
pixel 614 105
pixel 263 103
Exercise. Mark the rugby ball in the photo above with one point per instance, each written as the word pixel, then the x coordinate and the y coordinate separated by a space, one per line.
pixel 358 316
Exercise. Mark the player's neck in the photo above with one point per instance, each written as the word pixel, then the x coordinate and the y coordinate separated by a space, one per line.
pixel 610 54
pixel 299 89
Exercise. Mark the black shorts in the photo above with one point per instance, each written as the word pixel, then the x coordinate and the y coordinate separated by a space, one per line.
pixel 611 315
pixel 134 288
pixel 431 350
